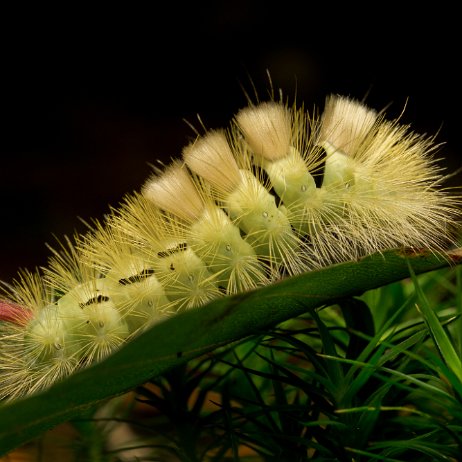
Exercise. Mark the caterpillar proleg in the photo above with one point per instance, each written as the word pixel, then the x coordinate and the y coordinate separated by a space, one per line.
pixel 277 193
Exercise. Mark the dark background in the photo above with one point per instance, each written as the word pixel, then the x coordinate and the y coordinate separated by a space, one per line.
pixel 89 97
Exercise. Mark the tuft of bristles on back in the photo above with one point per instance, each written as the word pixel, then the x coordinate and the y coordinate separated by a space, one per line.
pixel 277 193
pixel 211 157
pixel 267 129
pixel 345 124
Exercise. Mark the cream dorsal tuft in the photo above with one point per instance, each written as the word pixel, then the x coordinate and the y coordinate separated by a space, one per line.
pixel 211 158
pixel 345 124
pixel 164 190
pixel 267 129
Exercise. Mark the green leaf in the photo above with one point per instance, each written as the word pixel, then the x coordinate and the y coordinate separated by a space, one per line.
pixel 440 336
pixel 201 330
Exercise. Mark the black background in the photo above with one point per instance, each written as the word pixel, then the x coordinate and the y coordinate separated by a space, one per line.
pixel 89 98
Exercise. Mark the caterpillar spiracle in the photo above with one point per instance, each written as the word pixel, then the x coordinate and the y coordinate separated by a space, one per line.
pixel 277 193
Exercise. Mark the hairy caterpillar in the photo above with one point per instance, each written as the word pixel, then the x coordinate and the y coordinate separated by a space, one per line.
pixel 277 193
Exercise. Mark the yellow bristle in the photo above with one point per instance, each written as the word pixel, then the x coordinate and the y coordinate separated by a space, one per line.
pixel 267 129
pixel 345 124
pixel 211 158
pixel 163 191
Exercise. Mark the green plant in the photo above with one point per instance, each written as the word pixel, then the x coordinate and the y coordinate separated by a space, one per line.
pixel 367 377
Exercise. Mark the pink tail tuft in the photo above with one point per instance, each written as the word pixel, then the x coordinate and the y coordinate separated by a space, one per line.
pixel 10 312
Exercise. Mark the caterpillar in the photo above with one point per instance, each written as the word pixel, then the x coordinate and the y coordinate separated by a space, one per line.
pixel 277 193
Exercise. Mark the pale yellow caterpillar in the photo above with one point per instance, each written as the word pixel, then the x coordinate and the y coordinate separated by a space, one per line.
pixel 277 193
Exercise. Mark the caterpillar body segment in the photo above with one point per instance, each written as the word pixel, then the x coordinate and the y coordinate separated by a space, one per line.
pixel 210 233
pixel 157 269
pixel 247 200
pixel 36 349
pixel 278 193
pixel 95 323
pixel 293 162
